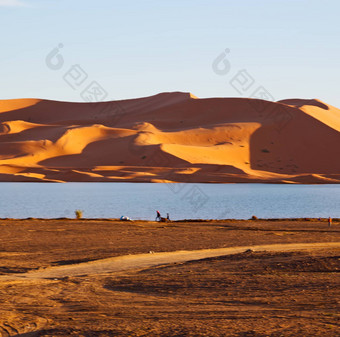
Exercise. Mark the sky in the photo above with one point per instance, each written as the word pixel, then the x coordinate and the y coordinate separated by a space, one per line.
pixel 56 49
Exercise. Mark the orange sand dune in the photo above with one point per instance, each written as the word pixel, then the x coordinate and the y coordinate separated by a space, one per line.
pixel 170 137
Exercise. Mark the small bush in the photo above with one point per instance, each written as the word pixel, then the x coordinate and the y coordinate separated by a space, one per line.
pixel 254 217
pixel 79 214
pixel 265 150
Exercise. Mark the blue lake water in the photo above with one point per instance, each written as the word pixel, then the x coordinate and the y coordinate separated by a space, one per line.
pixel 182 201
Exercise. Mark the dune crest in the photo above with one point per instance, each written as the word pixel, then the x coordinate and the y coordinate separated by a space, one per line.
pixel 14 104
pixel 170 137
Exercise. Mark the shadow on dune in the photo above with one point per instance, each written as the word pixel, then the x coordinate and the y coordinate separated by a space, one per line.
pixel 115 152
pixel 44 132
pixel 293 142
pixel 301 102
pixel 67 113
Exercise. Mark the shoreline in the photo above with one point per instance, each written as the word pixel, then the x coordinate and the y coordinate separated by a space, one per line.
pixel 173 221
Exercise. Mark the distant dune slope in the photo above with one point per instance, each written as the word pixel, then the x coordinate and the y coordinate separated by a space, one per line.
pixel 170 137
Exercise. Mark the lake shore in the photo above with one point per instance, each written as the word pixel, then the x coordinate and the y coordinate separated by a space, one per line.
pixel 305 219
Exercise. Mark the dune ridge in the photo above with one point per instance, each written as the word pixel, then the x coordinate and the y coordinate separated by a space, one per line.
pixel 170 137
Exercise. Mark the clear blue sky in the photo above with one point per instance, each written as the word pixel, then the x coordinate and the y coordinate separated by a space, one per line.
pixel 136 48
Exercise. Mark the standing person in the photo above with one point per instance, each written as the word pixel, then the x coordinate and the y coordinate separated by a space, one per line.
pixel 158 216
pixel 168 216
pixel 329 222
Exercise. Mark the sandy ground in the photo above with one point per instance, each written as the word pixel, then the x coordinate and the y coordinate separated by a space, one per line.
pixel 170 137
pixel 142 261
pixel 98 278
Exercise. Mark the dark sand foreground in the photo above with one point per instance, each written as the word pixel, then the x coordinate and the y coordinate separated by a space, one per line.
pixel 249 293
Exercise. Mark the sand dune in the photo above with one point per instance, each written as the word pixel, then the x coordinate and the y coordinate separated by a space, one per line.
pixel 170 137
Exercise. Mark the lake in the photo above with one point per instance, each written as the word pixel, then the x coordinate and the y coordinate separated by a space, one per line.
pixel 182 201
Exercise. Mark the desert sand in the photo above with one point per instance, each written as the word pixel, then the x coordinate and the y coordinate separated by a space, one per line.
pixel 109 278
pixel 152 259
pixel 170 137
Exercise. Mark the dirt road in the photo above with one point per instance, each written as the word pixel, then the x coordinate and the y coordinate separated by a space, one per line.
pixel 141 261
